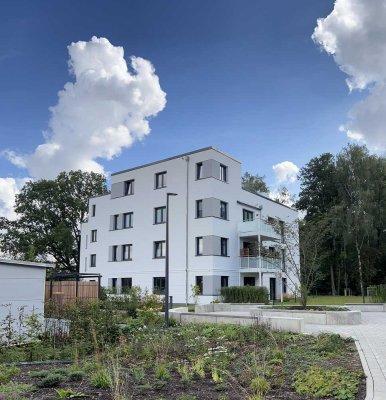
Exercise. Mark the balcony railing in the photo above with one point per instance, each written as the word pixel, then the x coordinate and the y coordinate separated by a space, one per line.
pixel 257 227
pixel 263 263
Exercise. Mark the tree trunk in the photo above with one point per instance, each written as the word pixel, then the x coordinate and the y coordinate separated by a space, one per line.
pixel 304 296
pixel 360 268
pixel 332 273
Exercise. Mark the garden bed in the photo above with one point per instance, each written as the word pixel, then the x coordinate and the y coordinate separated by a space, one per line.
pixel 307 308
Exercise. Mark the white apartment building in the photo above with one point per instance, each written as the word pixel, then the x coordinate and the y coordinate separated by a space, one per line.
pixel 215 227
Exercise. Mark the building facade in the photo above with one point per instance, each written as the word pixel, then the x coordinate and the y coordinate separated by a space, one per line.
pixel 220 234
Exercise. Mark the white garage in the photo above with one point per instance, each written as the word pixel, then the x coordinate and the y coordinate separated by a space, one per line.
pixel 22 284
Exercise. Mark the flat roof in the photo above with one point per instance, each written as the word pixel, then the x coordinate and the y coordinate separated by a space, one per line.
pixel 268 198
pixel 174 157
pixel 20 263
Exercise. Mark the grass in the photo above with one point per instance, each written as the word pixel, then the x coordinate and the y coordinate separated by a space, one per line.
pixel 331 300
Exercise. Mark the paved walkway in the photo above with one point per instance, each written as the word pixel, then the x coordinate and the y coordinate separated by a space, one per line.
pixel 371 336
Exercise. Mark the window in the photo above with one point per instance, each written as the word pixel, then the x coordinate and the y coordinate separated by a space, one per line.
pixel 126 252
pixel 159 285
pixel 224 281
pixel 223 210
pixel 92 260
pixel 224 246
pixel 271 220
pixel 93 210
pixel 115 221
pixel 159 249
pixel 160 180
pixel 199 284
pixel 160 215
pixel 129 187
pixel 199 246
pixel 114 253
pixel 114 283
pixel 223 173
pixel 248 215
pixel 126 283
pixel 128 220
pixel 199 209
pixel 199 170
pixel 94 235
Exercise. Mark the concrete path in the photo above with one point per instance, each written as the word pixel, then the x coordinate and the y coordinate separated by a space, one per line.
pixel 371 337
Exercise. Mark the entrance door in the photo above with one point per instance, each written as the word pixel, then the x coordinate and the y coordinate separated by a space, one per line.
pixel 249 281
pixel 272 288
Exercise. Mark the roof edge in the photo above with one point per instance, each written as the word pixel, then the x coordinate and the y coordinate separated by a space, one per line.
pixel 268 198
pixel 173 158
pixel 25 263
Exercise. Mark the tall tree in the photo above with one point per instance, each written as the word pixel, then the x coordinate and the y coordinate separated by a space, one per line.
pixel 49 215
pixel 254 183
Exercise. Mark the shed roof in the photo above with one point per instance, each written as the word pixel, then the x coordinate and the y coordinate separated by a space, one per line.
pixel 21 263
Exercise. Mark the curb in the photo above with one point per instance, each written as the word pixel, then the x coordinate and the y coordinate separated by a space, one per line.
pixel 366 369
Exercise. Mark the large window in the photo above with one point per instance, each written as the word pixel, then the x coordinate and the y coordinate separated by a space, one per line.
pixel 199 209
pixel 199 284
pixel 92 260
pixel 114 253
pixel 94 235
pixel 160 215
pixel 126 252
pixel 223 210
pixel 128 220
pixel 199 170
pixel 199 246
pixel 129 187
pixel 126 283
pixel 160 180
pixel 223 173
pixel 224 281
pixel 224 246
pixel 160 249
pixel 93 210
pixel 247 215
pixel 159 285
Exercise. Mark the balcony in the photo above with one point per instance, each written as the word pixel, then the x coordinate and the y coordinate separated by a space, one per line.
pixel 257 227
pixel 263 264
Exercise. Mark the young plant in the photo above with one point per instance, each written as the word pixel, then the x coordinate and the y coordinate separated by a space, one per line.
pixel 51 380
pixel 69 394
pixel 7 373
pixel 259 386
pixel 185 372
pixel 101 379
pixel 162 371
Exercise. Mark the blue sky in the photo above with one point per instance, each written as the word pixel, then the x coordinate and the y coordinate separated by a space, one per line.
pixel 243 76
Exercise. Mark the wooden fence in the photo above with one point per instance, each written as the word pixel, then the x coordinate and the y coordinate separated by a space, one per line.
pixel 62 292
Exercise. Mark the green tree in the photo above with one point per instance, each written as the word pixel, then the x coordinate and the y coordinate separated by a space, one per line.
pixel 254 183
pixel 49 215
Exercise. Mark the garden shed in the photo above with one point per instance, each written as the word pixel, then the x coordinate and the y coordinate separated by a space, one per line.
pixel 22 284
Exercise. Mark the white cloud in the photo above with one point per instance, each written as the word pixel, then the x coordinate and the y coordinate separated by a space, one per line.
pixel 14 158
pixel 285 172
pixel 355 35
pixel 9 188
pixel 106 109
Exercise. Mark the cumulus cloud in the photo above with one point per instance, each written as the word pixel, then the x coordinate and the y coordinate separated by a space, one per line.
pixel 355 35
pixel 106 109
pixel 9 188
pixel 285 172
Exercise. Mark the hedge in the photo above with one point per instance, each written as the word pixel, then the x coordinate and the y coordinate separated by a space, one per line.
pixel 244 294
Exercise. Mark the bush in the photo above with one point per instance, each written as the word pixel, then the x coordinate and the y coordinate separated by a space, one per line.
pixel 15 391
pixel 7 373
pixel 101 379
pixel 319 382
pixel 76 375
pixel 377 293
pixel 51 380
pixel 244 294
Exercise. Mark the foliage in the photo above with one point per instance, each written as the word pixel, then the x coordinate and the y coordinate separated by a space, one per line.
pixel 7 373
pixel 244 294
pixel 101 379
pixel 259 386
pixel 162 371
pixel 69 393
pixel 378 293
pixel 49 216
pixel 254 183
pixel 320 382
pixel 52 380
pixel 15 391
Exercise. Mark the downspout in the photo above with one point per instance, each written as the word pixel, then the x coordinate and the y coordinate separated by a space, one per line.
pixel 187 159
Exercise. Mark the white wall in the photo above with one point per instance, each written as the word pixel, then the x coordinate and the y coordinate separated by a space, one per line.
pixel 21 286
pixel 181 179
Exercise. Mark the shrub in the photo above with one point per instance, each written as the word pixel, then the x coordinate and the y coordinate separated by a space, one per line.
pixel 259 386
pixel 244 294
pixel 76 375
pixel 329 344
pixel 101 379
pixel 51 380
pixel 15 391
pixel 162 372
pixel 377 293
pixel 7 373
pixel 319 382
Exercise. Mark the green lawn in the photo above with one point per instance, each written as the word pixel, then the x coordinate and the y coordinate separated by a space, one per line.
pixel 333 300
